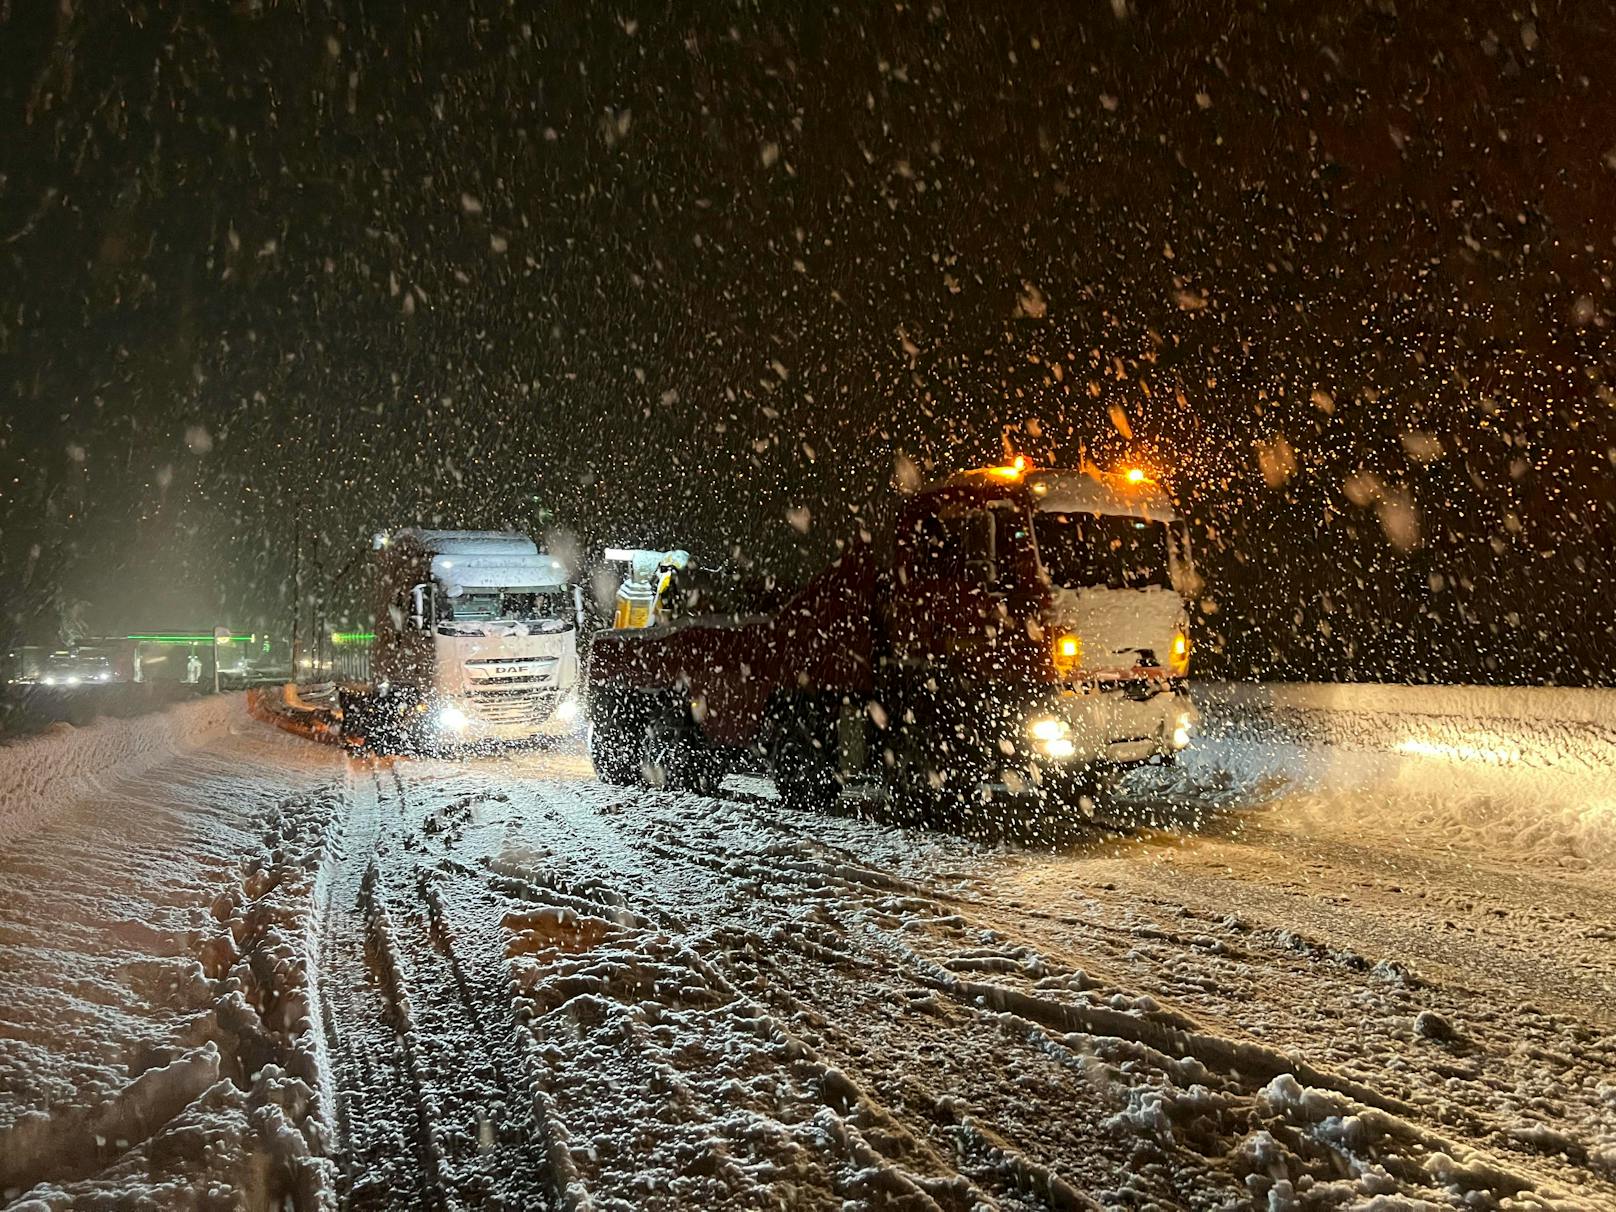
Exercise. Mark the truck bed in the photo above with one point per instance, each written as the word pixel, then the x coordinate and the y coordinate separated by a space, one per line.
pixel 730 666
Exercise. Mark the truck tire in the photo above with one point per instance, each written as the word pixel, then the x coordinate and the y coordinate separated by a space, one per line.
pixel 676 759
pixel 361 729
pixel 607 747
pixel 615 743
pixel 913 774
pixel 912 797
pixel 803 763
pixel 1094 793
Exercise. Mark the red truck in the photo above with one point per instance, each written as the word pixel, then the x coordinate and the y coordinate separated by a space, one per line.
pixel 1024 635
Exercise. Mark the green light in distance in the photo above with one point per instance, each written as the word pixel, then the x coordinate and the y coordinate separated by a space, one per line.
pixel 184 639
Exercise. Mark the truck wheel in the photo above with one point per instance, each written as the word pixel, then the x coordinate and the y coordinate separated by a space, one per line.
pixel 681 761
pixel 607 747
pixel 804 772
pixel 1090 792
pixel 359 731
pixel 913 774
pixel 912 797
pixel 614 746
pixel 1100 795
pixel 696 769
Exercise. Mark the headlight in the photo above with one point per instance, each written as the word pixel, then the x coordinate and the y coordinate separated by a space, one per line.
pixel 1181 731
pixel 103 677
pixel 72 681
pixel 452 719
pixel 567 710
pixel 1054 736
pixel 1048 728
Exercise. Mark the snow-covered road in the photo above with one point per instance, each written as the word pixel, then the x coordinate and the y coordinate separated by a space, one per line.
pixel 1349 962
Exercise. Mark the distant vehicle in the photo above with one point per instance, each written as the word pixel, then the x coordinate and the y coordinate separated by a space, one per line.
pixel 1025 636
pixel 77 669
pixel 475 641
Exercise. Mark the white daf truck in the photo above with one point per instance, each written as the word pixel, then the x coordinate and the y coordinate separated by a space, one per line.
pixel 475 643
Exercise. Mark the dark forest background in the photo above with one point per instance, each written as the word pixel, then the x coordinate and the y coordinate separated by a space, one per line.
pixel 675 273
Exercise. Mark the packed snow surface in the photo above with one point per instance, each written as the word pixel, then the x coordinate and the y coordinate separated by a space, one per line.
pixel 1354 952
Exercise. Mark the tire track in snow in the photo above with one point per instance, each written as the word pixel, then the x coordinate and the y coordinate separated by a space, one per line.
pixel 383 1140
pixel 723 1002
pixel 827 986
pixel 688 971
pixel 1248 1065
pixel 431 1082
pixel 1512 1157
pixel 461 989
pixel 667 1083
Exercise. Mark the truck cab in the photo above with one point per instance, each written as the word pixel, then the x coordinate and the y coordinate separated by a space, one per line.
pixel 476 638
pixel 1049 609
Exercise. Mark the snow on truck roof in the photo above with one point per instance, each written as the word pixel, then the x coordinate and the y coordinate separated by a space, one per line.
pixel 1056 491
pixel 520 572
pixel 468 542
pixel 482 559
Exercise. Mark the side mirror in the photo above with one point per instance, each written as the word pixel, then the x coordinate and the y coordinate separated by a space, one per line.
pixel 421 607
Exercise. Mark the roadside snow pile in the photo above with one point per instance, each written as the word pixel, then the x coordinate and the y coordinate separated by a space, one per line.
pixel 160 1024
pixel 41 774
pixel 1520 772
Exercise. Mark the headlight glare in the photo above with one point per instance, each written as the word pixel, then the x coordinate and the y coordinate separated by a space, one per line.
pixel 1181 731
pixel 1048 728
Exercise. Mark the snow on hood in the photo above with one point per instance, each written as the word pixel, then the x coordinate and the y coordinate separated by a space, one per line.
pixel 1114 623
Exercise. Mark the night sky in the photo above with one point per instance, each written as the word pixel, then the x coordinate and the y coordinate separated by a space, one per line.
pixel 676 274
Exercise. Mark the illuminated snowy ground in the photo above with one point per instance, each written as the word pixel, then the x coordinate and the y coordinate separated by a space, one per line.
pixel 1368 952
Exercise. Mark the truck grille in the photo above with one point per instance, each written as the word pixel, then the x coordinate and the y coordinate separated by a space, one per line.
pixel 1139 689
pixel 512 706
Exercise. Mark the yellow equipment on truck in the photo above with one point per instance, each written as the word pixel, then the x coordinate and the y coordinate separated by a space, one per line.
pixel 641 598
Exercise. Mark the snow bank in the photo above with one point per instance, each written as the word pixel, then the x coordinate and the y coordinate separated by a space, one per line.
pixel 1538 713
pixel 1521 772
pixel 161 1021
pixel 41 774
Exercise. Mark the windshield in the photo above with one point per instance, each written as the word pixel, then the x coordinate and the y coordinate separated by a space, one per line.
pixel 547 610
pixel 1088 550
